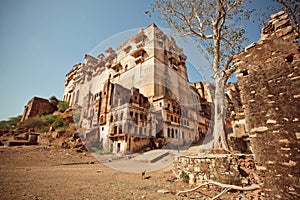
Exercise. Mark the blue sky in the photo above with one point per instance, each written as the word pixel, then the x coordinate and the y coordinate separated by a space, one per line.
pixel 41 40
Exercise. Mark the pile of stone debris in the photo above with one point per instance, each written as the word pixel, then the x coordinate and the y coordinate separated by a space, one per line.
pixel 63 139
pixel 58 139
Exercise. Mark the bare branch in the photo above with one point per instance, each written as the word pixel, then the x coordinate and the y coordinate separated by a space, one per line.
pixel 228 71
pixel 191 190
pixel 227 64
pixel 226 186
pixel 223 192
pixel 221 18
pixel 191 28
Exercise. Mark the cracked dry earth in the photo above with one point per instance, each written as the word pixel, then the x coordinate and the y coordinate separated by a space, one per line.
pixel 38 172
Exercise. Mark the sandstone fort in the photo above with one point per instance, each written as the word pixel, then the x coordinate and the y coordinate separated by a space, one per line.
pixel 138 96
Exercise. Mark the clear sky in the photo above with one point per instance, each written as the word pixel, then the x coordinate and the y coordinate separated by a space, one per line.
pixel 40 41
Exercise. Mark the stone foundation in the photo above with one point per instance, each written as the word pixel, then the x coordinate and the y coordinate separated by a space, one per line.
pixel 238 169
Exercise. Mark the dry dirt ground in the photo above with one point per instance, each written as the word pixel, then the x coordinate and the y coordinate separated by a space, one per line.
pixel 42 172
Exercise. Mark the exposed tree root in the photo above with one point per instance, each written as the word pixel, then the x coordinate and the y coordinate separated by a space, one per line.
pixel 226 186
pixel 223 192
pixel 176 175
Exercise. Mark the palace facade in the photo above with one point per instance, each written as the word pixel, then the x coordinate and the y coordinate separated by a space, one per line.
pixel 138 97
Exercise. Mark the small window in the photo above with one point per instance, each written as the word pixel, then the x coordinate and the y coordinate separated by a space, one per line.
pixel 160 104
pixel 102 129
pixel 115 129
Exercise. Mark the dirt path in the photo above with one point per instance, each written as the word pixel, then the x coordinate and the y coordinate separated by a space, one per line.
pixel 38 172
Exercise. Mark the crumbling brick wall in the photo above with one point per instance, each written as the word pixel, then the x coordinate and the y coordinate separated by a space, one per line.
pixel 225 168
pixel 37 106
pixel 269 79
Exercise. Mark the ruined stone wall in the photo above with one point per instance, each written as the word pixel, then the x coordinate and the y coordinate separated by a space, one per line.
pixel 269 79
pixel 224 168
pixel 37 106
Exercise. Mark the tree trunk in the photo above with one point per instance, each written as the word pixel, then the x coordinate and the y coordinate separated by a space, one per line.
pixel 219 135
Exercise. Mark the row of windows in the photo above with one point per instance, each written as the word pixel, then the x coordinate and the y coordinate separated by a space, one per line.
pixel 173 118
pixel 134 130
pixel 174 133
pixel 116 117
pixel 177 120
pixel 185 122
pixel 172 108
pixel 70 97
pixel 134 116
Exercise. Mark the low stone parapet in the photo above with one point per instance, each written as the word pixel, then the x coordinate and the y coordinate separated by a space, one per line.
pixel 236 169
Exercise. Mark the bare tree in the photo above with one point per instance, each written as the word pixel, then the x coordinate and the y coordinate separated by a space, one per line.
pixel 217 26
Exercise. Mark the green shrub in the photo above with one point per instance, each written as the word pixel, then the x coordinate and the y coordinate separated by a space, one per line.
pixel 49 119
pixel 11 123
pixel 4 125
pixel 60 123
pixel 44 129
pixel 184 176
pixel 62 106
pixel 76 117
pixel 33 122
pixel 53 100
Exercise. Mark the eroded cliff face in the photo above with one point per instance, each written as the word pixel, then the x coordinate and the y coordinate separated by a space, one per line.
pixel 269 79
